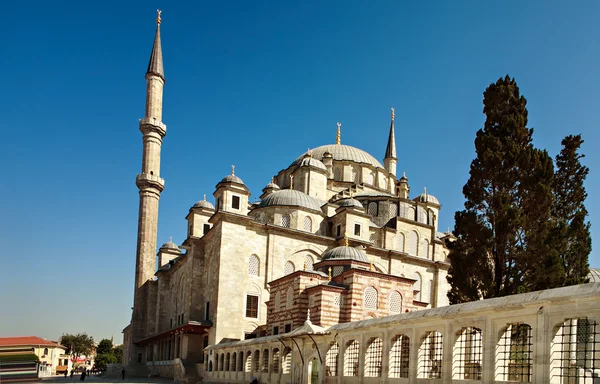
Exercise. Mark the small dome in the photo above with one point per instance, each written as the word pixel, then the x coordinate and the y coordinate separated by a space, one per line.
pixel 345 253
pixel 342 152
pixel 170 245
pixel 232 179
pixel 272 185
pixel 594 275
pixel 291 197
pixel 312 162
pixel 350 202
pixel 204 204
pixel 427 198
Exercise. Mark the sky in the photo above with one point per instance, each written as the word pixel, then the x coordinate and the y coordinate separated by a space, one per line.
pixel 252 84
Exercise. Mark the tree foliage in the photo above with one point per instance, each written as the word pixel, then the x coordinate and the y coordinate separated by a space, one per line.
pixel 104 346
pixel 77 345
pixel 506 235
pixel 102 360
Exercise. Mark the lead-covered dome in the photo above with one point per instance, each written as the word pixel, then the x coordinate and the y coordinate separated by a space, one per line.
pixel 345 253
pixel 341 152
pixel 232 179
pixel 204 204
pixel 291 198
pixel 349 203
pixel 427 198
pixel 312 162
pixel 170 245
pixel 594 275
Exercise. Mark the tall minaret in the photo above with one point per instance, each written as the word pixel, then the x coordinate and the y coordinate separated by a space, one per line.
pixel 149 182
pixel 390 159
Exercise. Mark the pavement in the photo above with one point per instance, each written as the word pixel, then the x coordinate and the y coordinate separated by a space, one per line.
pixel 102 379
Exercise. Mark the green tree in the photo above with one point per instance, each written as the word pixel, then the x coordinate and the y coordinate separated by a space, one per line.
pixel 77 345
pixel 105 346
pixel 101 361
pixel 118 352
pixel 502 234
pixel 572 233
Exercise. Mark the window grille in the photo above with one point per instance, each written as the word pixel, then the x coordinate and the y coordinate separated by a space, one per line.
pixel 338 173
pixel 399 356
pixel 401 242
pixel 252 306
pixel 331 359
pixel 413 241
pixel 234 362
pixel 351 358
pixel 256 364
pixel 468 354
pixel 289 298
pixel 277 303
pixel 338 269
pixel 392 210
pixel 421 215
pixel 354 175
pixel 384 184
pixel 227 360
pixel 265 364
pixel 308 263
pixel 307 224
pixel 575 352
pixel 285 221
pixel 276 360
pixel 253 265
pixel 425 251
pixel 412 213
pixel 403 210
pixel 372 208
pixel 249 361
pixel 373 358
pixel 395 302
pixel 289 268
pixel 430 356
pixel 337 300
pixel 417 286
pixel 514 358
pixel 370 298
pixel 287 361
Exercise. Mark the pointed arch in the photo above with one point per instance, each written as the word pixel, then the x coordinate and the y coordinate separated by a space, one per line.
pixel 413 242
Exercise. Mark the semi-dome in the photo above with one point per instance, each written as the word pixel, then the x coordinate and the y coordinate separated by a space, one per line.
pixel 232 179
pixel 204 204
pixel 349 202
pixel 427 198
pixel 345 253
pixel 594 275
pixel 342 152
pixel 292 198
pixel 312 162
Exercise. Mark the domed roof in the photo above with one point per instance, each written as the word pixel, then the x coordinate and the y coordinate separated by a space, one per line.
pixel 350 202
pixel 427 198
pixel 232 179
pixel 291 197
pixel 342 152
pixel 594 275
pixel 312 162
pixel 345 253
pixel 204 204
pixel 170 245
pixel 272 185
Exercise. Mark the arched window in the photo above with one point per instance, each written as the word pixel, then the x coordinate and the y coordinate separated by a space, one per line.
pixel 514 359
pixel 210 366
pixel 241 362
pixel 276 360
pixel 431 217
pixel 227 361
pixel 372 208
pixel 307 224
pixel 467 355
pixel 253 265
pixel 399 357
pixel 401 242
pixel 354 178
pixel 574 351
pixel 289 268
pixel 413 241
pixel 265 364
pixel 370 178
pixel 395 302
pixel 248 367
pixel 222 365
pixel 370 298
pixel 45 351
pixel 425 251
pixel 373 358
pixel 308 263
pixel 234 362
pixel 412 213
pixel 338 173
pixel 351 358
pixel 421 215
pixel 287 361
pixel 392 210
pixel 430 356
pixel 417 286
pixel 277 304
pixel 331 359
pixel 256 363
pixel 289 298
pixel 286 220
pixel 384 183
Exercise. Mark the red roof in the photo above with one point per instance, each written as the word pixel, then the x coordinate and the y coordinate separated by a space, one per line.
pixel 27 341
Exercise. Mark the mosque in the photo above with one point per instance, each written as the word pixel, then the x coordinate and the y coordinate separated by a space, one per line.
pixel 336 242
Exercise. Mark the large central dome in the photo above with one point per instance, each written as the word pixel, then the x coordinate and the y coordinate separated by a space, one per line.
pixel 342 152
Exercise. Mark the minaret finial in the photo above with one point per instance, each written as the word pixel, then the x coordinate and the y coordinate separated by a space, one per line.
pixel 308 315
pixel 158 19
pixel 425 191
pixel 393 113
pixel 338 139
pixel 232 170
pixel 404 174
pixel 304 268
pixel 329 273
pixel 291 181
pixel 205 197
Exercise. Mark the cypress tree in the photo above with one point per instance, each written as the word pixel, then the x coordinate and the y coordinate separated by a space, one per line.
pixel 502 244
pixel 572 232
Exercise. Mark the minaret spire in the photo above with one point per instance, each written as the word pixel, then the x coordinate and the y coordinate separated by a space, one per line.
pixel 155 66
pixel 390 159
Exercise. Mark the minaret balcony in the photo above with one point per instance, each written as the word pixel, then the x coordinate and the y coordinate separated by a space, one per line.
pixel 145 180
pixel 149 124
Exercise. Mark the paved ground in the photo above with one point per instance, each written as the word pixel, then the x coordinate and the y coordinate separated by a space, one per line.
pixel 101 379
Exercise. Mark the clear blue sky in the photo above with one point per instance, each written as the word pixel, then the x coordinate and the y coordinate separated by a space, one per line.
pixel 251 84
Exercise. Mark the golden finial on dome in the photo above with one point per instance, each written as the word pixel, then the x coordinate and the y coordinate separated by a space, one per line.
pixel 158 19
pixel 232 170
pixel 329 273
pixel 338 139
pixel 304 266
pixel 345 241
pixel 291 181
pixel 393 113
